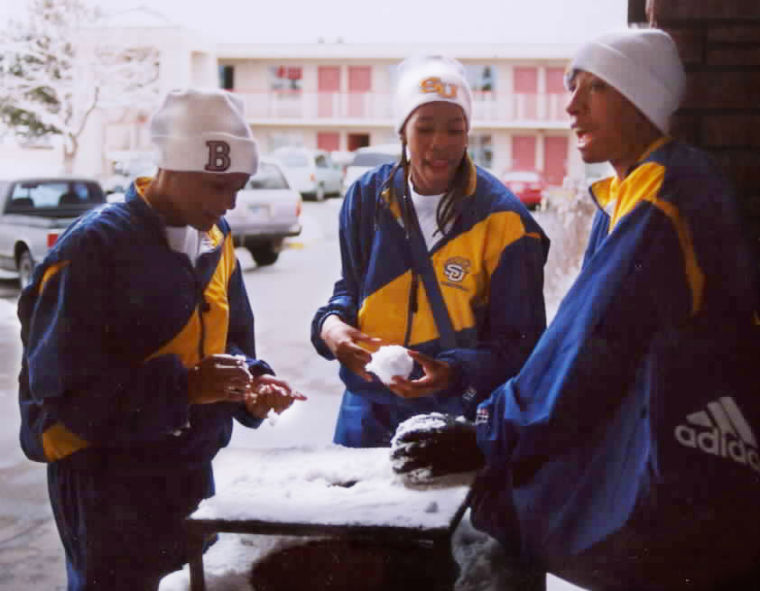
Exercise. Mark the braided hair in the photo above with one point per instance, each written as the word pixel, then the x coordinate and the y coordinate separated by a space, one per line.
pixel 449 207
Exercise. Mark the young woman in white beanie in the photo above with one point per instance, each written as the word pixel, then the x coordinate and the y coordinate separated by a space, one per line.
pixel 438 257
pixel 601 454
pixel 139 352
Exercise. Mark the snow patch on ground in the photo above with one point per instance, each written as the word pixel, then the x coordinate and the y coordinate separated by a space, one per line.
pixel 229 561
pixel 558 289
pixel 8 311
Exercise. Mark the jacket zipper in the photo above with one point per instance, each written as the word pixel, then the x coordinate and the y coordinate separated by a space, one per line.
pixel 203 306
pixel 412 307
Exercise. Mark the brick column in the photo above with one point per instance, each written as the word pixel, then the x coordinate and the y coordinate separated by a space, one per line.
pixel 719 42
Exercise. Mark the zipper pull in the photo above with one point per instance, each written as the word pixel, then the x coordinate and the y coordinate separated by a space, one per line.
pixel 412 307
pixel 413 304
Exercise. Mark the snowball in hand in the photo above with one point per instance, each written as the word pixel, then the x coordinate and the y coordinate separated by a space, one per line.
pixel 389 361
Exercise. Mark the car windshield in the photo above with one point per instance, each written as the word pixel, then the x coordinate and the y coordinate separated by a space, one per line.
pixel 372 159
pixel 293 159
pixel 54 193
pixel 268 176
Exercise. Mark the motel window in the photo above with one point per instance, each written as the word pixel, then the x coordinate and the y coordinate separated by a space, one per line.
pixel 481 78
pixel 227 77
pixel 286 78
pixel 481 150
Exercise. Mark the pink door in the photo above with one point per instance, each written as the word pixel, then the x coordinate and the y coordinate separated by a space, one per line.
pixel 555 80
pixel 328 87
pixel 523 152
pixel 328 140
pixel 555 159
pixel 556 94
pixel 359 85
pixel 526 92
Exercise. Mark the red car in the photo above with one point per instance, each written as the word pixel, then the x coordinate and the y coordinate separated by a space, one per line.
pixel 527 185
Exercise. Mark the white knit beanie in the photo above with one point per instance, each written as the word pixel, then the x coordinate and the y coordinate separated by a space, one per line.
pixel 429 79
pixel 203 131
pixel 642 64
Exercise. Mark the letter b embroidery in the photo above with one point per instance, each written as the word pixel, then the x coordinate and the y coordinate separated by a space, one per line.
pixel 218 156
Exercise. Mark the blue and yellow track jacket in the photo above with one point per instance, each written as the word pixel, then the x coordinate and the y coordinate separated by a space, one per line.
pixel 111 323
pixel 489 267
pixel 665 251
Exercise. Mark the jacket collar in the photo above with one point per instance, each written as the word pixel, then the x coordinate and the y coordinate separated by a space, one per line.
pixel 135 197
pixel 605 191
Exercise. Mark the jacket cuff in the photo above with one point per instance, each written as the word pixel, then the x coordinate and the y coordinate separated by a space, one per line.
pixel 246 419
pixel 316 332
pixel 259 368
pixel 461 386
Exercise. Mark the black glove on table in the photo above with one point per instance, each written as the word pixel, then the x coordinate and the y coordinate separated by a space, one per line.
pixel 435 444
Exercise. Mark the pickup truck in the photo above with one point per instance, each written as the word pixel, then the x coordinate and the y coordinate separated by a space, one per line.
pixel 35 211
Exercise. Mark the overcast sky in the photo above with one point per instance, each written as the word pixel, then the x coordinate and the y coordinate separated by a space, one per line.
pixel 392 21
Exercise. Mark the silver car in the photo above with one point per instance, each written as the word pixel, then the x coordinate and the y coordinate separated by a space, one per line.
pixel 266 212
pixel 370 157
pixel 311 172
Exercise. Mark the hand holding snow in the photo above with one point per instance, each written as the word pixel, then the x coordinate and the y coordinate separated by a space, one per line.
pixel 389 361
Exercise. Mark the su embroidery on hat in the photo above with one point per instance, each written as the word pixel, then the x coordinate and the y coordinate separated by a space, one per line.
pixel 446 90
pixel 218 156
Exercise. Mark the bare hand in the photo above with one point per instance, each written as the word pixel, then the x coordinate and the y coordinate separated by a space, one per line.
pixel 343 341
pixel 270 393
pixel 218 378
pixel 437 375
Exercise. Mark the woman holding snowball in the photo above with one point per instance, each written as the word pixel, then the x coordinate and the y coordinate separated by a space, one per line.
pixel 440 261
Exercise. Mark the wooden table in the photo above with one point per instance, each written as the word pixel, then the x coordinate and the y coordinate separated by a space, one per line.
pixel 328 491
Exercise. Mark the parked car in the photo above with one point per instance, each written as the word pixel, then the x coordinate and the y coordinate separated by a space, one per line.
pixel 118 183
pixel 527 185
pixel 266 212
pixel 35 211
pixel 310 172
pixel 368 158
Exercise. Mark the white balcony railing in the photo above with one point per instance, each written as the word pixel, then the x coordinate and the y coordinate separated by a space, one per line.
pixel 488 107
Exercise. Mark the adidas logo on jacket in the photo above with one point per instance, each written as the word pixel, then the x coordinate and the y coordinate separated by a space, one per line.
pixel 721 430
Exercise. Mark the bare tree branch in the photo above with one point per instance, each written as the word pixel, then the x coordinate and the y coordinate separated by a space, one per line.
pixel 52 80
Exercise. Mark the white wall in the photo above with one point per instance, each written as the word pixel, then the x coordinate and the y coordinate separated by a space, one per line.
pixel 16 160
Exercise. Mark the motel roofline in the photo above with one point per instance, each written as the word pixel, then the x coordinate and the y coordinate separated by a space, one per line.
pixel 392 52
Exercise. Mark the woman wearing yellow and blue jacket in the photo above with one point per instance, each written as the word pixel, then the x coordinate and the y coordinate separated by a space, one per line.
pixel 487 256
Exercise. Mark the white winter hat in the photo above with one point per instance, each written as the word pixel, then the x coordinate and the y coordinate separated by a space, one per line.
pixel 642 64
pixel 203 131
pixel 429 79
